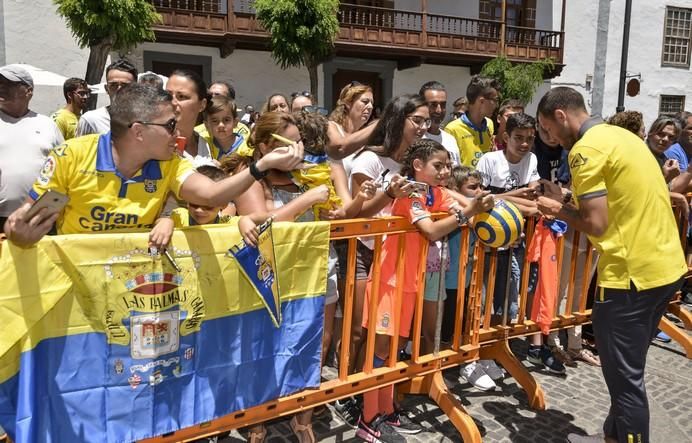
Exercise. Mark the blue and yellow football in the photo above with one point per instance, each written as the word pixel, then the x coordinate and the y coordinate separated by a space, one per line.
pixel 499 227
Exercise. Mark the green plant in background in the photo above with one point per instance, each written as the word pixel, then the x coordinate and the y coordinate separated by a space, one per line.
pixel 106 25
pixel 519 80
pixel 302 32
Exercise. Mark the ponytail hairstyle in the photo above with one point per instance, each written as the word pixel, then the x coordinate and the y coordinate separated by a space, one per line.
pixel 348 96
pixel 269 123
pixel 422 150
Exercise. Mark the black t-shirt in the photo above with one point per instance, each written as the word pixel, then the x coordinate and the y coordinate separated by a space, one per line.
pixel 550 161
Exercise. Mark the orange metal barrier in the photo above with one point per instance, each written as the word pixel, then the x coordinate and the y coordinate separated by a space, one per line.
pixel 474 336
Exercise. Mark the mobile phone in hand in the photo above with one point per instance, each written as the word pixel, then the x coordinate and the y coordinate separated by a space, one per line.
pixel 54 201
pixel 420 187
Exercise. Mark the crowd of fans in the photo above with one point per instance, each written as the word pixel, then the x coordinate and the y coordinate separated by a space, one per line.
pixel 297 161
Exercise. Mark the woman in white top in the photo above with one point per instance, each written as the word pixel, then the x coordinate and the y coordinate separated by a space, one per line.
pixel 404 120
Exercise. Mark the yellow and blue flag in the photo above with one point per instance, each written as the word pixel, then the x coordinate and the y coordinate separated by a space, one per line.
pixel 103 342
pixel 258 265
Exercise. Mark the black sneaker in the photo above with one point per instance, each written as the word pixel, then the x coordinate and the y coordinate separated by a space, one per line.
pixel 552 364
pixel 348 411
pixel 534 355
pixel 378 431
pixel 687 298
pixel 402 424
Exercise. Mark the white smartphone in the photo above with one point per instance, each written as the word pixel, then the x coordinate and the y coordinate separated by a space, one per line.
pixel 53 200
pixel 420 187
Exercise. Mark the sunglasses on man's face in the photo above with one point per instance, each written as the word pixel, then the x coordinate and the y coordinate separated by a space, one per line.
pixel 170 125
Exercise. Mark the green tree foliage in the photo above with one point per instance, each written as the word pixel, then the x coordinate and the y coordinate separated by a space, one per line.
pixel 106 25
pixel 302 32
pixel 520 80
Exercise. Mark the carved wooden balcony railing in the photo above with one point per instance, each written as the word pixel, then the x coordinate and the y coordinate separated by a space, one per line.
pixel 365 31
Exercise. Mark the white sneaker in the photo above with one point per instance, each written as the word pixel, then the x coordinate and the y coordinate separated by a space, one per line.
pixel 492 369
pixel 474 374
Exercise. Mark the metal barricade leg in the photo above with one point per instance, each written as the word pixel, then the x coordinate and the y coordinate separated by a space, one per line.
pixel 501 352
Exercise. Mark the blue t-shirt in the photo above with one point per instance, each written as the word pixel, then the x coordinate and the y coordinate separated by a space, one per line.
pixel 452 274
pixel 677 152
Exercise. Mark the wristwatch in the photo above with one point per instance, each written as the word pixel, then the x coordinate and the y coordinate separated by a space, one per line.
pixel 256 173
pixel 461 218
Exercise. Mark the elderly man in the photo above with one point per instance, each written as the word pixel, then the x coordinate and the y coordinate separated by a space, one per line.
pixel 25 138
pixel 119 180
pixel 625 211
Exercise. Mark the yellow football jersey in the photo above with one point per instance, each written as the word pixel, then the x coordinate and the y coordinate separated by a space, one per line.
pixel 473 141
pixel 641 244
pixel 66 121
pixel 242 134
pixel 181 218
pixel 101 199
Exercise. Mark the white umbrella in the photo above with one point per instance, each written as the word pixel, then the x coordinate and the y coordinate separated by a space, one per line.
pixel 42 77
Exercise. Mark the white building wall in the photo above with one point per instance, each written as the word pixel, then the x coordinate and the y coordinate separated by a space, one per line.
pixel 645 46
pixel 254 74
pixel 455 79
pixel 46 43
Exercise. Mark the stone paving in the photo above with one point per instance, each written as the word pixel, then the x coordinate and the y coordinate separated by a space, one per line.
pixel 576 403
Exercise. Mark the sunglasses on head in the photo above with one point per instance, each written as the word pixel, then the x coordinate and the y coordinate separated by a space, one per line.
pixel 170 125
pixel 303 93
pixel 355 83
pixel 315 110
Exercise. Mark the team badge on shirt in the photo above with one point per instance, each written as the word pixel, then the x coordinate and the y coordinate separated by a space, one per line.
pixel 47 171
pixel 417 207
pixel 578 160
pixel 150 186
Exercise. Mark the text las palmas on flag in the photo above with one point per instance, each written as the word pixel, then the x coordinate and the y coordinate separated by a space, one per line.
pixel 102 342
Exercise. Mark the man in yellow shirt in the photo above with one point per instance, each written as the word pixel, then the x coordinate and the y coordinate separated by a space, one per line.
pixel 473 131
pixel 119 180
pixel 76 92
pixel 625 210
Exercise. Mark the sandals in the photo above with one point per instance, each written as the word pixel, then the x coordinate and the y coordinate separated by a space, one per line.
pixel 257 434
pixel 303 432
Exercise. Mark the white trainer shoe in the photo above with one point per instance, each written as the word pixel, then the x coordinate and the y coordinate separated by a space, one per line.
pixel 474 374
pixel 492 369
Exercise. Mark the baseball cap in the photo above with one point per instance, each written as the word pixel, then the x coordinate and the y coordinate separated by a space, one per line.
pixel 16 73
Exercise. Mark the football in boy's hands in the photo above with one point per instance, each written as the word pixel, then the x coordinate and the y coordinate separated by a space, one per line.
pixel 500 226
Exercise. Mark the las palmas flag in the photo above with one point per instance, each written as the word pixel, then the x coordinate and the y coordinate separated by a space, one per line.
pixel 258 265
pixel 103 342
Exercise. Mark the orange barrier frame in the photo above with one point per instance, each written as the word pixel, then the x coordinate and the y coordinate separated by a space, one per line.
pixel 473 338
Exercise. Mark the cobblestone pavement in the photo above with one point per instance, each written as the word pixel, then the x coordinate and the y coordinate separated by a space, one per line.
pixel 576 403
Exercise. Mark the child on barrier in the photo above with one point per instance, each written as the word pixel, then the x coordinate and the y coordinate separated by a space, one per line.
pixel 480 374
pixel 513 173
pixel 285 201
pixel 203 215
pixel 426 161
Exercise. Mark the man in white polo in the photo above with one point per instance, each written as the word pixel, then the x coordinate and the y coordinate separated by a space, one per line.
pixel 25 138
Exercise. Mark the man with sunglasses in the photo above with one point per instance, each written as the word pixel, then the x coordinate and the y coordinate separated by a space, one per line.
pixel 26 138
pixel 118 181
pixel 118 74
pixel 76 92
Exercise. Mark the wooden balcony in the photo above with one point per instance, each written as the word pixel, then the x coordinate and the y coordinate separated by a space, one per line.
pixel 410 37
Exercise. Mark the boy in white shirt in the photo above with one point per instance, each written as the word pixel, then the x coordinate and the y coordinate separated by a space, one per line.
pixel 513 172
